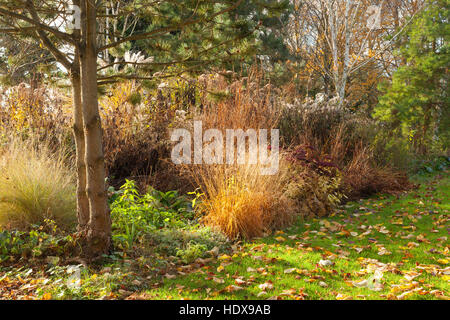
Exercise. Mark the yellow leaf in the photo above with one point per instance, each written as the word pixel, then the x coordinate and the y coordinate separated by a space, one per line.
pixel 326 224
pixel 47 296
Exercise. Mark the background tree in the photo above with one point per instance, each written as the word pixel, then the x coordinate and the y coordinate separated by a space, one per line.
pixel 229 41
pixel 417 100
pixel 341 40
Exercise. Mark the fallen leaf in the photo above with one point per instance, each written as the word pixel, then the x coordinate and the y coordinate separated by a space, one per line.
pixel 289 270
pixel 266 286
pixel 325 263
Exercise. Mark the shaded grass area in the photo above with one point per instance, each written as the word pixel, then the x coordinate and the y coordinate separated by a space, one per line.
pixel 386 247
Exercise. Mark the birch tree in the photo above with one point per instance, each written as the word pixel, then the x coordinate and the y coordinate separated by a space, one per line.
pixel 339 37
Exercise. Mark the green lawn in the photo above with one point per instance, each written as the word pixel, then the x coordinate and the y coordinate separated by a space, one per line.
pixel 381 248
pixel 386 247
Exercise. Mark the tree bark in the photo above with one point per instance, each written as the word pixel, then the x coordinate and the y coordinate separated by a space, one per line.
pixel 78 130
pixel 98 233
pixel 82 200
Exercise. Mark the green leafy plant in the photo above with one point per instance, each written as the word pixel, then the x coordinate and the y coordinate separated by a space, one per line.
pixel 134 215
pixel 432 165
pixel 416 101
pixel 35 243
pixel 192 252
pixel 187 242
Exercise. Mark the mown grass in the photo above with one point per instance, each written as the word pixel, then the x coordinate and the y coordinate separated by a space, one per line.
pixel 421 218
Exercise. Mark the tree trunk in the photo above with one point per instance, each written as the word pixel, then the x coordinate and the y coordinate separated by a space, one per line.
pixel 98 233
pixel 82 200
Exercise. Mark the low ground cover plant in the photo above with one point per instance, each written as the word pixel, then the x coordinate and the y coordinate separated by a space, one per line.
pixel 164 221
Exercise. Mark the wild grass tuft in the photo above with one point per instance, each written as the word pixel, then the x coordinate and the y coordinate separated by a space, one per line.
pixel 241 202
pixel 36 183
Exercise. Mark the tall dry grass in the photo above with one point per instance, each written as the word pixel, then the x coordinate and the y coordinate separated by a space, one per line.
pixel 250 103
pixel 41 112
pixel 36 183
pixel 237 199
pixel 364 177
pixel 242 203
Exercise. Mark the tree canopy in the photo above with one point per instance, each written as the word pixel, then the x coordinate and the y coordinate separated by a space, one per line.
pixel 418 97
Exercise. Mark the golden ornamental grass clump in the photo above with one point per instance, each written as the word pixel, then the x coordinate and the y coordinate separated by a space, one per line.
pixel 242 203
pixel 36 183
pixel 237 199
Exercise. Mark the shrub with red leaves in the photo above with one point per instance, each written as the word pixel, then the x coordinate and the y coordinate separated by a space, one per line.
pixel 306 155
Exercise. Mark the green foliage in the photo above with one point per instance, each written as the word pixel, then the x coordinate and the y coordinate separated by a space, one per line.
pixel 188 244
pixel 161 221
pixel 242 30
pixel 392 151
pixel 192 252
pixel 134 215
pixel 438 164
pixel 35 243
pixel 416 103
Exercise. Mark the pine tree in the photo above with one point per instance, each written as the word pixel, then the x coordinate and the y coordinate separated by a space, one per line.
pixel 417 100
pixel 226 41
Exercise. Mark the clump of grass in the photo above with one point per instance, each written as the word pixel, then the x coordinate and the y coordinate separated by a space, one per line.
pixel 249 103
pixel 36 183
pixel 241 202
pixel 237 199
pixel 363 177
